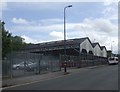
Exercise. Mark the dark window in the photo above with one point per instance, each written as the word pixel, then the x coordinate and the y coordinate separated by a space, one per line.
pixel 90 52
pixel 111 58
pixel 84 51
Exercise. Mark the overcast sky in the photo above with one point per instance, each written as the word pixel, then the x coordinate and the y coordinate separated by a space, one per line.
pixel 43 21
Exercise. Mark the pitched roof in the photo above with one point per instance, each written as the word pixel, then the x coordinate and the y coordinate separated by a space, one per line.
pixel 61 42
pixel 102 47
pixel 57 43
pixel 94 44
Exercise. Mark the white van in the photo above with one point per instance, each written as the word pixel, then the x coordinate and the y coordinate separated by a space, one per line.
pixel 113 60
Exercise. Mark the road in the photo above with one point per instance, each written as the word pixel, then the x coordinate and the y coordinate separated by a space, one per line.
pixel 100 78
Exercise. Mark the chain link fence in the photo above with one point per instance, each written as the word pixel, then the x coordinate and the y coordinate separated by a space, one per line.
pixel 20 64
pixel 6 69
pixel 72 61
pixel 83 60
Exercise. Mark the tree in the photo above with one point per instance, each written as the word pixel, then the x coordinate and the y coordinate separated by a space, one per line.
pixel 17 43
pixel 0 40
pixel 10 43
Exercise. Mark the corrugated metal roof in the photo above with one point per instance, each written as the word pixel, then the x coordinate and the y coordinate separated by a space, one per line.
pixel 61 42
pixel 94 44
pixel 56 43
pixel 102 47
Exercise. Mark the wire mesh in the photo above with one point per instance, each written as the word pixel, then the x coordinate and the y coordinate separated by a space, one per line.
pixel 18 64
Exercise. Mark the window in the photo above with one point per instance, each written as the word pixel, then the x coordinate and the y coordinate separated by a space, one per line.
pixel 111 58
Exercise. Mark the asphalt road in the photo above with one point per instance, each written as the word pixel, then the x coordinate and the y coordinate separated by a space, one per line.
pixel 100 78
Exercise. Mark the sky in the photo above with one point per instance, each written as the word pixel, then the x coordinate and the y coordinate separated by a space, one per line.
pixel 40 22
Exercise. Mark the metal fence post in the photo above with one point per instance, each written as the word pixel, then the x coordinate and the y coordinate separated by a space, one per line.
pixel 60 61
pixel 11 63
pixel 39 66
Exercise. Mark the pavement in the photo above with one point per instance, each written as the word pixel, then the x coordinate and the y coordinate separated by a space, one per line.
pixel 6 83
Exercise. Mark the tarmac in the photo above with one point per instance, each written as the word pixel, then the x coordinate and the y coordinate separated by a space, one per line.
pixel 6 83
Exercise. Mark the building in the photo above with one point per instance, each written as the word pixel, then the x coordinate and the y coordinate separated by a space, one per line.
pixel 97 49
pixel 109 53
pixel 86 46
pixel 73 47
pixel 80 52
pixel 103 51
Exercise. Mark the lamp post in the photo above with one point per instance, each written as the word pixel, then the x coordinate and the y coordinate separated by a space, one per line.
pixel 65 65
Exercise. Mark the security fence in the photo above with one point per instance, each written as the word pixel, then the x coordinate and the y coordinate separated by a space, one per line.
pixel 6 68
pixel 83 60
pixel 71 61
pixel 19 64
pixel 22 64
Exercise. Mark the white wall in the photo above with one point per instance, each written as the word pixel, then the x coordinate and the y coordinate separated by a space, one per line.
pixel 86 45
pixel 104 53
pixel 97 50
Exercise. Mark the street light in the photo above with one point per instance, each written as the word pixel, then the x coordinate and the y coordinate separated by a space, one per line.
pixel 65 35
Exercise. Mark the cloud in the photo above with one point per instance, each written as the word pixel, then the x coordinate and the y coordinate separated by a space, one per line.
pixel 111 9
pixel 19 21
pixel 112 43
pixel 56 1
pixel 37 6
pixel 3 6
pixel 99 30
pixel 30 40
pixel 98 24
pixel 51 21
pixel 56 35
pixel 101 25
pixel 109 2
pixel 0 14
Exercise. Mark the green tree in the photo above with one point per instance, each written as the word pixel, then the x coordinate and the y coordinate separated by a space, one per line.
pixel 0 40
pixel 5 41
pixel 10 43
pixel 17 43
